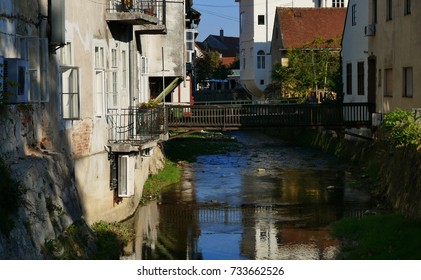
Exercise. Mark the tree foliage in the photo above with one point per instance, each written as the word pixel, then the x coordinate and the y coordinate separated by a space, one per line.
pixel 315 66
pixel 209 66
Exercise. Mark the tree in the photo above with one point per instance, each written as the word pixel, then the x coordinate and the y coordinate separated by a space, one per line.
pixel 313 67
pixel 209 66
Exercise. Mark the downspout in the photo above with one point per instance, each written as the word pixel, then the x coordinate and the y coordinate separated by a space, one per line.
pixel 132 99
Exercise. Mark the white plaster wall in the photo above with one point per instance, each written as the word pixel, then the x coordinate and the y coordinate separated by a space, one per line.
pixel 170 45
pixel 256 37
pixel 355 49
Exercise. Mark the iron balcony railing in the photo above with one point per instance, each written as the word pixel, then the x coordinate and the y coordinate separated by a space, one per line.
pixel 154 8
pixel 136 125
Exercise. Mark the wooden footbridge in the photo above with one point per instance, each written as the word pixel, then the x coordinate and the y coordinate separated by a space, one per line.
pixel 140 125
pixel 247 116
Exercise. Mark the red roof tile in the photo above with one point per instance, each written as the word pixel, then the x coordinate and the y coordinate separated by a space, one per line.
pixel 300 26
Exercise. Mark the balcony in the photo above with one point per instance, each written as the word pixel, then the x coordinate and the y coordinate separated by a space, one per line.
pixel 136 129
pixel 146 15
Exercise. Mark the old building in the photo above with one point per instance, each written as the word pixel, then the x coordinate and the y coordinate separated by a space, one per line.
pixel 256 27
pixel 83 70
pixel 393 46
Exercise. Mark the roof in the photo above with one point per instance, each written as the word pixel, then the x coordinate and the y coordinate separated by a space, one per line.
pixel 225 45
pixel 227 61
pixel 300 26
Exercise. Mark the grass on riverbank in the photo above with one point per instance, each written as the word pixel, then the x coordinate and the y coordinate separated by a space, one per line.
pixel 155 184
pixel 379 237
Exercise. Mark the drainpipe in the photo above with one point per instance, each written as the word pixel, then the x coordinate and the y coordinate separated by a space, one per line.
pixel 132 100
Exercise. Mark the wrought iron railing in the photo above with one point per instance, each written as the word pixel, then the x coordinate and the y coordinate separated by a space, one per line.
pixel 155 8
pixel 136 125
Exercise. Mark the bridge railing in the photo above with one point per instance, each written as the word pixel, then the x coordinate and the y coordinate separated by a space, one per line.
pixel 259 115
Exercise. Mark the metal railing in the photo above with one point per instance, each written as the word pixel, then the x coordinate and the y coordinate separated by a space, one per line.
pixel 136 125
pixel 153 8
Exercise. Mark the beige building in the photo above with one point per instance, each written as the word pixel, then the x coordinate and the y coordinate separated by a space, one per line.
pixel 394 44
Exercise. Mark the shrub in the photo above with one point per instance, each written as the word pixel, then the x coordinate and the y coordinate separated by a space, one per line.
pixel 404 128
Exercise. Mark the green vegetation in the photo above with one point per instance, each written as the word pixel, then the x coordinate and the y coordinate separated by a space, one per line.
pixel 379 237
pixel 403 128
pixel 315 66
pixel 104 241
pixel 170 175
pixel 11 197
pixel 209 66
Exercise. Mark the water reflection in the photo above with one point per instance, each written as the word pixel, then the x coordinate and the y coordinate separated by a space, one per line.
pixel 270 200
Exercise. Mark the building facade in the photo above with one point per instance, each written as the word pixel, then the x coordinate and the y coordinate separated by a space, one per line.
pixel 84 68
pixel 256 28
pixel 393 47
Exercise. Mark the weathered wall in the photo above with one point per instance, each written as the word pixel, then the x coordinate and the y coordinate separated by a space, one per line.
pixel 53 200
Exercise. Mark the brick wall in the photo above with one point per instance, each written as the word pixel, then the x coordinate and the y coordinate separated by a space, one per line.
pixel 81 138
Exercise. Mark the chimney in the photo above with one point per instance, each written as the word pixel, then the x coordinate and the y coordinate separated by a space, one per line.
pixel 221 35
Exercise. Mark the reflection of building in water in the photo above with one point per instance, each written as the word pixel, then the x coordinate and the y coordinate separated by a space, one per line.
pixel 265 238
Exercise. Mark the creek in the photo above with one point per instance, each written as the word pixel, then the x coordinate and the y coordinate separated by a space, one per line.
pixel 269 199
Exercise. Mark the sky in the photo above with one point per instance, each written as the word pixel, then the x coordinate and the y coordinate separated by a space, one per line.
pixel 217 15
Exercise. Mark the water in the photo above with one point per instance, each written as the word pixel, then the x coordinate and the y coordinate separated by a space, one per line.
pixel 269 200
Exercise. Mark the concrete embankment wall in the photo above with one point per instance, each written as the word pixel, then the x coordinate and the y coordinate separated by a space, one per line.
pixel 396 172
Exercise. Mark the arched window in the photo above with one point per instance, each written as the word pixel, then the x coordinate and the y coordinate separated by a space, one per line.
pixel 261 63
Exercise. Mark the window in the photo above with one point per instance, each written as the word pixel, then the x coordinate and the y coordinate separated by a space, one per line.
pixel 70 94
pixel 261 61
pixel 35 50
pixel 389 10
pixel 374 11
pixel 99 81
pixel 112 89
pixel 388 87
pixel 262 82
pixel 124 69
pixel 360 74
pixel 145 65
pixel 337 3
pixel 354 14
pixel 242 22
pixel 407 8
pixel 261 20
pixel 407 82
pixel 349 78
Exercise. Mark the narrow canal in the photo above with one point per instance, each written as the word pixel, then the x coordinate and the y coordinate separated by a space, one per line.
pixel 267 199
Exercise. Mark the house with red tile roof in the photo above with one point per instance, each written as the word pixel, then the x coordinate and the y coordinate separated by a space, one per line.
pixel 297 27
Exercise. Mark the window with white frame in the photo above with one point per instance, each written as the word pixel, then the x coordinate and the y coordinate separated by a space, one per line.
pixel 144 65
pixel 35 50
pixel 99 80
pixel 338 3
pixel 70 95
pixel 124 69
pixel 407 82
pixel 112 88
pixel 261 61
pixel 70 91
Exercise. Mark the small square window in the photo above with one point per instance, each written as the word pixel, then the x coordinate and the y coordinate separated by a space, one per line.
pixel 262 82
pixel 261 19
